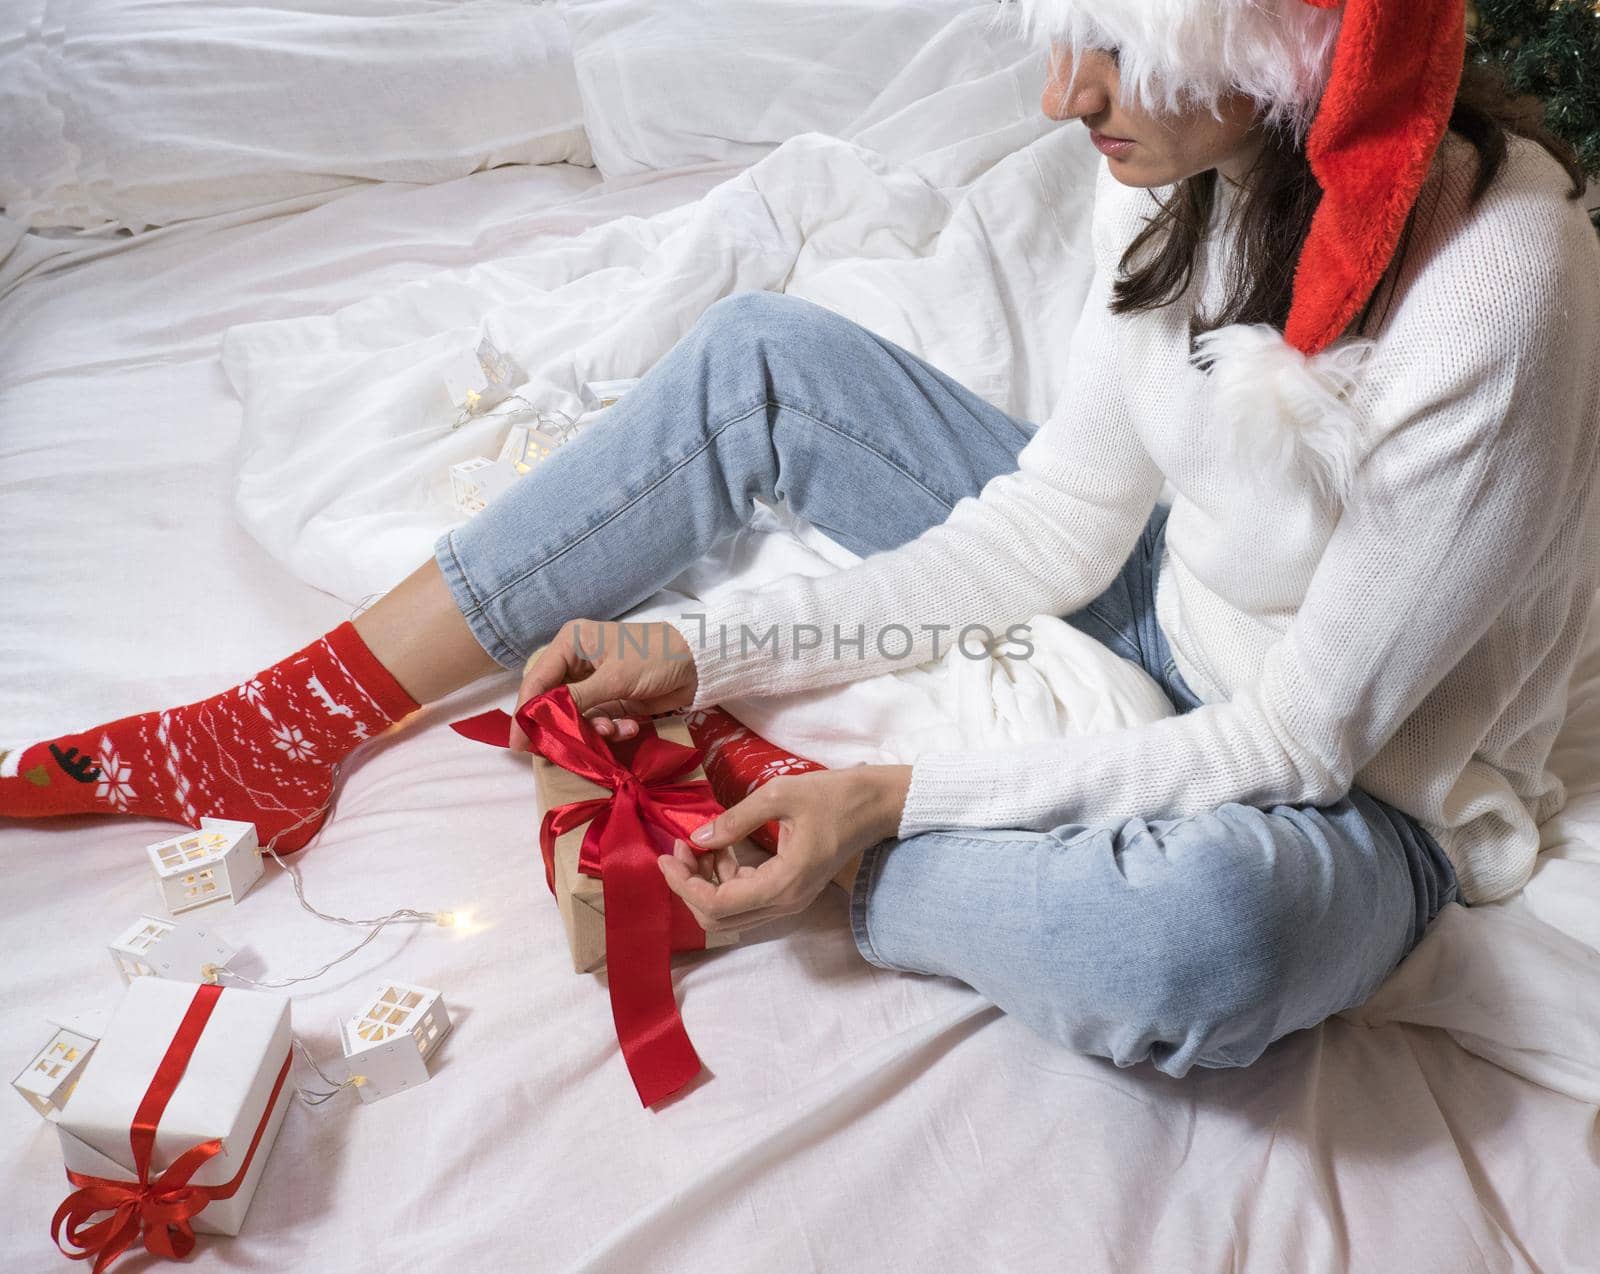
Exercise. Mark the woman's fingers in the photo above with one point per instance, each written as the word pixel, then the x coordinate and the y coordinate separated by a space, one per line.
pixel 559 662
pixel 677 873
pixel 765 887
pixel 746 920
pixel 715 865
pixel 738 821
pixel 700 865
pixel 555 665
pixel 613 671
pixel 614 727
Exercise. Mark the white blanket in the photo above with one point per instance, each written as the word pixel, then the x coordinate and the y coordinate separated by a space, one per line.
pixel 955 226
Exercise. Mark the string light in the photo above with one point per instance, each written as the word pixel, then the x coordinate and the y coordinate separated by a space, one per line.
pixel 214 973
pixel 375 925
pixel 514 405
pixel 335 1086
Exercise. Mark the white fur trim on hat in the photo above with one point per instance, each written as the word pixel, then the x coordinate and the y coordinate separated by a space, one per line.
pixel 1281 409
pixel 1175 54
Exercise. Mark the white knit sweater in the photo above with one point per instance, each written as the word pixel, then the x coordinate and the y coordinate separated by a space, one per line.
pixel 1416 640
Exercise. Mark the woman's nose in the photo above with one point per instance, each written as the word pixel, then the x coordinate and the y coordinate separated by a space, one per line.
pixel 1081 86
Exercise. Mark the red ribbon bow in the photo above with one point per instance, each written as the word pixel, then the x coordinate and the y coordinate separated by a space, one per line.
pixel 161 1209
pixel 645 921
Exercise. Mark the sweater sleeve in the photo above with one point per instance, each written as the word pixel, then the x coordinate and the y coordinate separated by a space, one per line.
pixel 1043 539
pixel 1451 509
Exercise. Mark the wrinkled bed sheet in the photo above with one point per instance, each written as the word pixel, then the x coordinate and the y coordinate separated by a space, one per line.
pixel 851 1118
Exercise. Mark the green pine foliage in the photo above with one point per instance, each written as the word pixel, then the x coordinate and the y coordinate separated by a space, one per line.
pixel 1550 48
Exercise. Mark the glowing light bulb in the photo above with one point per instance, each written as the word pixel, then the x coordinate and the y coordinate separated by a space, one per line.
pixel 446 918
pixel 465 924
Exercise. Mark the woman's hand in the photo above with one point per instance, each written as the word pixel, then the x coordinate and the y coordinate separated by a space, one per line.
pixel 615 672
pixel 825 819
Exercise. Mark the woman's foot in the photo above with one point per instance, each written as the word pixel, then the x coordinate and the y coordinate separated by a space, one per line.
pixel 262 752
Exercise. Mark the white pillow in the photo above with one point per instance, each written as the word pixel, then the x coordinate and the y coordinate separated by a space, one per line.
pixel 136 113
pixel 672 83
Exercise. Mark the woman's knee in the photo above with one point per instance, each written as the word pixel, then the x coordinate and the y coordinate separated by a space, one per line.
pixel 1182 971
pixel 1216 1005
pixel 1167 943
pixel 758 317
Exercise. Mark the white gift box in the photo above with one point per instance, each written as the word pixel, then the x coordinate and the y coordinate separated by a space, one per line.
pixel 236 1083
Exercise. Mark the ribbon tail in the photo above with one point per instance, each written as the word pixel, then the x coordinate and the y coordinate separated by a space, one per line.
pixel 172 1240
pixel 124 1231
pixel 173 1203
pixel 493 728
pixel 655 1045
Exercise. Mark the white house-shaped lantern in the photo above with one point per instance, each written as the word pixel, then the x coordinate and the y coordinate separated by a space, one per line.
pixel 473 483
pixel 479 380
pixel 47 1081
pixel 597 395
pixel 153 947
pixel 525 446
pixel 387 1046
pixel 219 860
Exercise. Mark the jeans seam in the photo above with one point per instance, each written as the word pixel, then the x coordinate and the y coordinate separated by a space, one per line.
pixel 716 432
pixel 478 609
pixel 887 459
pixel 862 886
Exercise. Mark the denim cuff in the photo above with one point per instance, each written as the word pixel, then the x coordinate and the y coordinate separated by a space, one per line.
pixel 866 878
pixel 466 599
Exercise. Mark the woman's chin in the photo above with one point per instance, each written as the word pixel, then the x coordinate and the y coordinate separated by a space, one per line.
pixel 1136 170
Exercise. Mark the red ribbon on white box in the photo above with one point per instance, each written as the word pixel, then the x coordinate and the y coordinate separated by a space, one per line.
pixel 159 1211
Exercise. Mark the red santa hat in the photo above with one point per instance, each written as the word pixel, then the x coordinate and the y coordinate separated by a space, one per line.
pixel 1370 84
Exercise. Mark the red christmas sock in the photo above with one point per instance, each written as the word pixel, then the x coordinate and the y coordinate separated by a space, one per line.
pixel 262 752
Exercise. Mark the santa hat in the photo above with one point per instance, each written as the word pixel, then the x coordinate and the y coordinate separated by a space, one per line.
pixel 1371 85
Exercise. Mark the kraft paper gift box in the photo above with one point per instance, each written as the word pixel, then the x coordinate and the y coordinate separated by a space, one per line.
pixel 236 1084
pixel 581 898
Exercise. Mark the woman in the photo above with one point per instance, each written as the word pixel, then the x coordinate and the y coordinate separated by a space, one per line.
pixel 1364 598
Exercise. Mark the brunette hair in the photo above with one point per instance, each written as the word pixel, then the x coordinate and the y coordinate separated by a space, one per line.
pixel 1273 215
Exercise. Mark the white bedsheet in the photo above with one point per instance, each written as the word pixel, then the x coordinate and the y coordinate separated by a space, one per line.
pixel 853 1119
pixel 132 113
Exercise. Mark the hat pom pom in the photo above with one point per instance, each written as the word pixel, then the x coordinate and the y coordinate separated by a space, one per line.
pixel 1283 409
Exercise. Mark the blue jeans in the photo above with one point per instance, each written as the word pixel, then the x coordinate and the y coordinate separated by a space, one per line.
pixel 1191 941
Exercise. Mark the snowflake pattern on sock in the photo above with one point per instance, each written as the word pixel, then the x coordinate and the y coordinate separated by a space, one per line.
pixel 115 785
pixel 262 751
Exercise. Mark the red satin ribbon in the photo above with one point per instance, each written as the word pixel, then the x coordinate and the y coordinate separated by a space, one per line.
pixel 645 921
pixel 161 1209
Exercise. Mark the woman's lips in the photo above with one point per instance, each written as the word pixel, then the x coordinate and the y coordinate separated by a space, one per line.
pixel 1111 147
